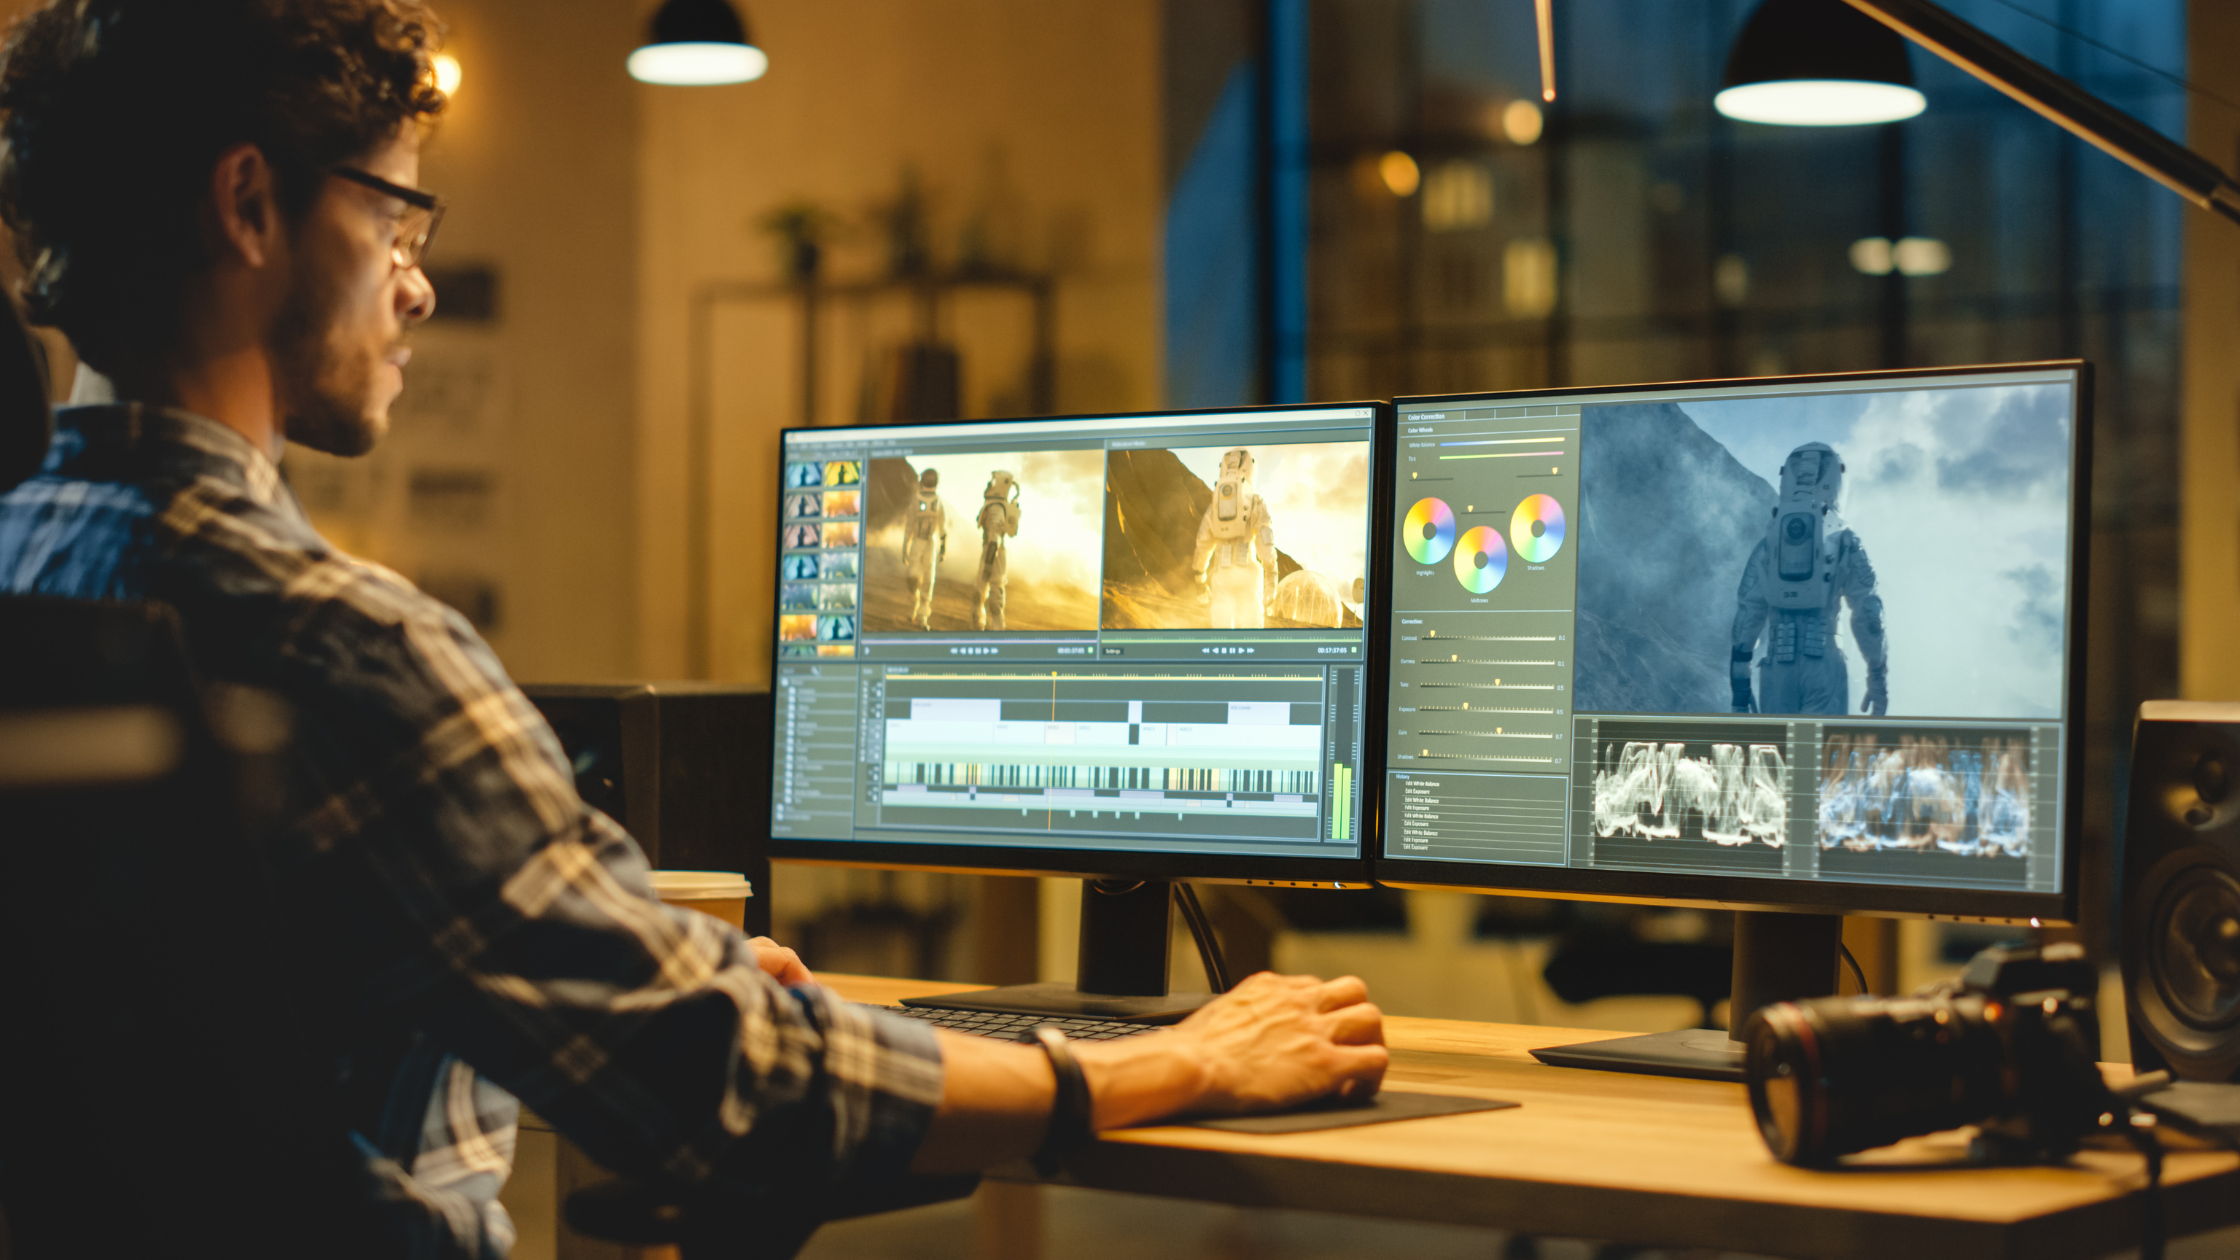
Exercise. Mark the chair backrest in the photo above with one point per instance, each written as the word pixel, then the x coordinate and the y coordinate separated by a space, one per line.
pixel 157 1093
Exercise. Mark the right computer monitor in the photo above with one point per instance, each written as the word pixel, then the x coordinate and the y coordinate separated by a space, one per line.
pixel 1806 643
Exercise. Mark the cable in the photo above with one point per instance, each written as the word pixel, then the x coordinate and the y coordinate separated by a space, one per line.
pixel 1201 931
pixel 2117 53
pixel 1856 972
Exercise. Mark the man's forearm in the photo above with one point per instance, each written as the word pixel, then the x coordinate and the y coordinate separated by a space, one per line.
pixel 995 1105
pixel 1273 1041
pixel 996 1097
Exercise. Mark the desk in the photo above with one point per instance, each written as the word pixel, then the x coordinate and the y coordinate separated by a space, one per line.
pixel 1635 1159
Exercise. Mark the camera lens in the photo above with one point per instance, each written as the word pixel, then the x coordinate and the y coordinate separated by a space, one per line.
pixel 1839 1075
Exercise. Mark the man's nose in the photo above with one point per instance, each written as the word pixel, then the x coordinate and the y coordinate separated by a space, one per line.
pixel 416 297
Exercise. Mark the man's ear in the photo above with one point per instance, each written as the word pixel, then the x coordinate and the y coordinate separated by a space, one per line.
pixel 241 212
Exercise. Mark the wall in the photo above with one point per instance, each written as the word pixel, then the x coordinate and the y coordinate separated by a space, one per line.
pixel 1033 123
pixel 509 469
pixel 2209 668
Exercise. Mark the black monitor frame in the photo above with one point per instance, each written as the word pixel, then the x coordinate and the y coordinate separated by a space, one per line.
pixel 1774 894
pixel 1115 864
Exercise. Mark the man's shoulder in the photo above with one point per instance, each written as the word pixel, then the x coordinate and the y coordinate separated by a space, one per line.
pixel 233 549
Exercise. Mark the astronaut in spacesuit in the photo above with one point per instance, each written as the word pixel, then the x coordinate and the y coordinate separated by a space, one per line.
pixel 1240 586
pixel 999 520
pixel 925 541
pixel 1799 576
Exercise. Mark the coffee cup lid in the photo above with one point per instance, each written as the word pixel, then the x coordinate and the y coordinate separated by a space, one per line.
pixel 701 885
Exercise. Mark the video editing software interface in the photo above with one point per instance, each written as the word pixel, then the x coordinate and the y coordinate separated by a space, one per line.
pixel 1794 630
pixel 1135 633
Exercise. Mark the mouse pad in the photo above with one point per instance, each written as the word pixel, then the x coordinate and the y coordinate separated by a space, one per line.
pixel 1388 1105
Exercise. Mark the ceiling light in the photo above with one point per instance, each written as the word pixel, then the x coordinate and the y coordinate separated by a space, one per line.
pixel 698 42
pixel 1817 63
pixel 446 67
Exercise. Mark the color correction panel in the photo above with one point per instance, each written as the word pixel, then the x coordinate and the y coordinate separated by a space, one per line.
pixel 1484 583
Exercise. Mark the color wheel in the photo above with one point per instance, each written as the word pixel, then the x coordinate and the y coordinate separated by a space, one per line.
pixel 1537 528
pixel 1429 531
pixel 1481 560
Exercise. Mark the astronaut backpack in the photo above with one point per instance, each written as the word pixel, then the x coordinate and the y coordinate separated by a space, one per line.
pixel 1232 497
pixel 1801 544
pixel 925 514
pixel 999 517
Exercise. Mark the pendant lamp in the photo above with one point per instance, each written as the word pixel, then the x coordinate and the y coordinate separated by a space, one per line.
pixel 698 42
pixel 1817 63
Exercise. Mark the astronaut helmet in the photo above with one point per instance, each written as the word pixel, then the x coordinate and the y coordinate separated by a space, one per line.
pixel 1813 471
pixel 1002 487
pixel 1238 461
pixel 930 478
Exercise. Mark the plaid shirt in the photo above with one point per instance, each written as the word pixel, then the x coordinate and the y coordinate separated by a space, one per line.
pixel 487 936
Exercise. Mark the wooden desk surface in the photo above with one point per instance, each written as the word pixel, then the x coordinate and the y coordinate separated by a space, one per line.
pixel 1639 1159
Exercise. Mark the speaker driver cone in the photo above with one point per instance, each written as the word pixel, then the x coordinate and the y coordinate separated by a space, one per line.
pixel 2196 938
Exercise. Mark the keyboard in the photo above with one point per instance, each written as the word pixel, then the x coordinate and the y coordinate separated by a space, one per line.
pixel 1012 1027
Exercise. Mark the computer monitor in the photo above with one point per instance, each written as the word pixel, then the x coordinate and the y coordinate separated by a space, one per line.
pixel 1129 648
pixel 1797 646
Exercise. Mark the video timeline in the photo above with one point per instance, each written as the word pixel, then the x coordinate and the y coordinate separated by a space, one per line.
pixel 1117 753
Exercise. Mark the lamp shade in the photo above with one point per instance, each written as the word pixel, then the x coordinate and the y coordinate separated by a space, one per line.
pixel 697 42
pixel 1817 63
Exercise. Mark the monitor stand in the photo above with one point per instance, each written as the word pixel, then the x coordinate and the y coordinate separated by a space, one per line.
pixel 1125 926
pixel 1777 958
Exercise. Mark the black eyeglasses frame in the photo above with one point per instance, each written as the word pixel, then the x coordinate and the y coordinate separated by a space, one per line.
pixel 405 253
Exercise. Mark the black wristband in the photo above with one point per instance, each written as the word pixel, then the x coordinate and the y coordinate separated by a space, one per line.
pixel 1070 1109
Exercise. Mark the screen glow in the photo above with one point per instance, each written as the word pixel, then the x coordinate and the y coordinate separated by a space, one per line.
pixel 1820 102
pixel 698 64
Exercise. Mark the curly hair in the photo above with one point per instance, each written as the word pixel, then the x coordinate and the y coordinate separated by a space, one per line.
pixel 115 111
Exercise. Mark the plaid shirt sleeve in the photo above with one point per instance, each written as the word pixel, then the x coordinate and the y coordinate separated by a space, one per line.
pixel 514 926
pixel 473 899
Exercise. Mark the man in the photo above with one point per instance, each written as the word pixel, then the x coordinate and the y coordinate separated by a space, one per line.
pixel 1240 589
pixel 217 202
pixel 1794 587
pixel 925 543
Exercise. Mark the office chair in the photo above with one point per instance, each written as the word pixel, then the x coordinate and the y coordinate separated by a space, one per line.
pixel 157 1085
pixel 155 1091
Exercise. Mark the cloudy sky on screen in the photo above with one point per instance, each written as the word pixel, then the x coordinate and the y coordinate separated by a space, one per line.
pixel 1961 497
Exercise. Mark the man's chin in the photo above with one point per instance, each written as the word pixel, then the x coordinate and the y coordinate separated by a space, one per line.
pixel 344 436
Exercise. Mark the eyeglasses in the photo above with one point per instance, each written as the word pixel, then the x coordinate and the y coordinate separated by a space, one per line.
pixel 416 227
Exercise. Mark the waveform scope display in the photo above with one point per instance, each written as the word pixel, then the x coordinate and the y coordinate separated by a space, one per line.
pixel 1727 794
pixel 1957 793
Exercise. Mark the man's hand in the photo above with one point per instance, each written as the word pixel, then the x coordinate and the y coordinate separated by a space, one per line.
pixel 781 963
pixel 1278 1041
pixel 1877 698
pixel 1272 1042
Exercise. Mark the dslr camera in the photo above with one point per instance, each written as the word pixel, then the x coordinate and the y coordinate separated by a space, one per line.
pixel 2013 1048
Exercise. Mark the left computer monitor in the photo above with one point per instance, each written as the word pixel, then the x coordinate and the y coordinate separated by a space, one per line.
pixel 1128 648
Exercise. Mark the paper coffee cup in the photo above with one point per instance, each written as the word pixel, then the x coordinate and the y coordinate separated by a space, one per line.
pixel 720 893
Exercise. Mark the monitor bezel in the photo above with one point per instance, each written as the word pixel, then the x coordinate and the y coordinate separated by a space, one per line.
pixel 1230 868
pixel 1740 892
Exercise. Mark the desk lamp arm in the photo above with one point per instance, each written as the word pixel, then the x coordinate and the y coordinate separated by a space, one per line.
pixel 2114 132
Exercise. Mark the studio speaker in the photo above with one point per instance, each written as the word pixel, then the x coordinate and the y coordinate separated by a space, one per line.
pixel 2181 890
pixel 684 767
